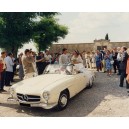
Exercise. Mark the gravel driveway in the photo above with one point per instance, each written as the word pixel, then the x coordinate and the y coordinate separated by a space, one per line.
pixel 106 98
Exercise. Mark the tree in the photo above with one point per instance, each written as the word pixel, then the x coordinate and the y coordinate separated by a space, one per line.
pixel 16 28
pixel 106 37
pixel 48 31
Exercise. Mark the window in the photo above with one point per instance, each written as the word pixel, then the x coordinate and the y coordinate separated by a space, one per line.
pixel 101 47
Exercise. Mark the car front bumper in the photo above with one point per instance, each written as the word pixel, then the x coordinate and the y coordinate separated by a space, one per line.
pixel 38 104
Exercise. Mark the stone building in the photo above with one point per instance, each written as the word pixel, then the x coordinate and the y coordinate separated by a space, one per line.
pixel 96 45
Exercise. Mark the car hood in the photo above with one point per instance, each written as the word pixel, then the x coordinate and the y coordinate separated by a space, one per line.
pixel 36 84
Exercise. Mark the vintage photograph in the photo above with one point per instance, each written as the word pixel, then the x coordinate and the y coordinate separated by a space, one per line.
pixel 64 64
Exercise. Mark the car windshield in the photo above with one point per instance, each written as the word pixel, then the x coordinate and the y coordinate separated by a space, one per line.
pixel 58 69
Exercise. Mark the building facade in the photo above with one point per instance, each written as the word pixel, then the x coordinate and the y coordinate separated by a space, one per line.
pixel 96 45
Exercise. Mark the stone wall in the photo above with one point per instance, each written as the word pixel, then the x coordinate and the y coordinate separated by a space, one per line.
pixel 119 44
pixel 87 46
pixel 80 47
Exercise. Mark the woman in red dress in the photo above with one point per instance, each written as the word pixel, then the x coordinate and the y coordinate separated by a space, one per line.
pixel 1 69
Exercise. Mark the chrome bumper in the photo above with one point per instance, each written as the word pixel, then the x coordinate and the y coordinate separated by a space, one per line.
pixel 12 100
pixel 43 105
pixel 40 104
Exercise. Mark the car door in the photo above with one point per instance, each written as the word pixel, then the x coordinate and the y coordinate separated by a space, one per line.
pixel 81 81
pixel 78 83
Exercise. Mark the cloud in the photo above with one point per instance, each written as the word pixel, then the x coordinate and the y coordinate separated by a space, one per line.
pixel 85 27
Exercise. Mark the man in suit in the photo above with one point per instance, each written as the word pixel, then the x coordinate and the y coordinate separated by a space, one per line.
pixel 123 64
pixel 40 63
pixel 118 59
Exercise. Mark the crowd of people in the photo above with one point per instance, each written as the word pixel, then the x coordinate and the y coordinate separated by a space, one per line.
pixel 109 61
pixel 30 64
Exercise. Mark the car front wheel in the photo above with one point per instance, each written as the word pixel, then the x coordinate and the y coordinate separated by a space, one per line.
pixel 63 100
pixel 90 85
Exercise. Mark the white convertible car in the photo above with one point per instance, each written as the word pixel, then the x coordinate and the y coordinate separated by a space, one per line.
pixel 52 89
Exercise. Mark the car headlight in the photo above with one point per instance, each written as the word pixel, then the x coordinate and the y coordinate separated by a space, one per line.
pixel 46 95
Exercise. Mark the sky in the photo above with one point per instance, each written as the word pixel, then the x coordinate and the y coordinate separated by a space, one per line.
pixel 85 27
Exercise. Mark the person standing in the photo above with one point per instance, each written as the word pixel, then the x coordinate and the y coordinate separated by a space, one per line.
pixel 108 58
pixel 9 69
pixel 123 65
pixel 93 65
pixel 21 72
pixel 127 71
pixel 48 57
pixel 14 68
pixel 27 62
pixel 114 55
pixel 63 59
pixel 33 56
pixel 98 61
pixel 40 63
pixel 88 60
pixel 119 59
pixel 103 61
pixel 3 55
pixel 1 70
pixel 56 60
pixel 83 58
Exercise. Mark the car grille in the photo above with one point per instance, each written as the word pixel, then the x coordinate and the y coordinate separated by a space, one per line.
pixel 28 98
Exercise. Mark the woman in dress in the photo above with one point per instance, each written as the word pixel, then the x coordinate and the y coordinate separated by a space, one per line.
pixel 93 64
pixel 77 61
pixel 76 58
pixel 98 60
pixel 108 58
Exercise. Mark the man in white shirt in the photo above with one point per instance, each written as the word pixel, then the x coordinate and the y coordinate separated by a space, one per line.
pixel 63 59
pixel 47 56
pixel 9 69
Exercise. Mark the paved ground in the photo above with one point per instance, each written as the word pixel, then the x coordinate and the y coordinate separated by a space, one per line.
pixel 106 98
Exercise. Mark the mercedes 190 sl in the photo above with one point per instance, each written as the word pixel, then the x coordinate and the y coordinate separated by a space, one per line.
pixel 52 89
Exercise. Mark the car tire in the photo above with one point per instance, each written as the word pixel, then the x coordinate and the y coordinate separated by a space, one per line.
pixel 90 85
pixel 63 100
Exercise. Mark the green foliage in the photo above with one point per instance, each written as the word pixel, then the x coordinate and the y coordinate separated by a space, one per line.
pixel 17 28
pixel 48 31
pixel 106 37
